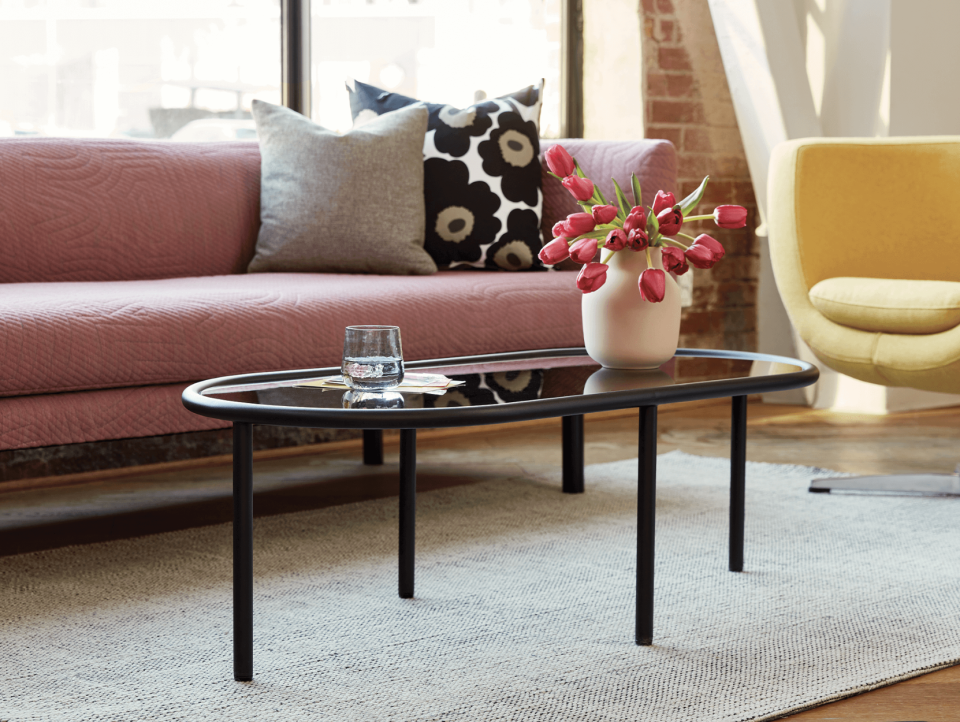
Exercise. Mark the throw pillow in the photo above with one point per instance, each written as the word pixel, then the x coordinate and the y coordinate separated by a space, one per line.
pixel 332 203
pixel 481 176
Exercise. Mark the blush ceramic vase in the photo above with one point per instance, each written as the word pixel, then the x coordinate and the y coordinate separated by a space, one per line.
pixel 623 331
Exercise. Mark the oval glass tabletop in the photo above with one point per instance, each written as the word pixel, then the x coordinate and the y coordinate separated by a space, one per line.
pixel 493 388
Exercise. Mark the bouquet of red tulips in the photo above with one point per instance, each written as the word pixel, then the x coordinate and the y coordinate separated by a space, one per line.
pixel 633 228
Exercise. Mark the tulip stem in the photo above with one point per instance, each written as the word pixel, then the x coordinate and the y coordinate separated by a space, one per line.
pixel 676 243
pixel 649 259
pixel 698 218
pixel 689 238
pixel 608 257
pixel 554 175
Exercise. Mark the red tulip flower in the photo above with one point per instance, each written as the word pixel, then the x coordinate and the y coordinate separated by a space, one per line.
pixel 663 201
pixel 559 229
pixel 555 251
pixel 635 221
pixel 603 214
pixel 577 224
pixel 584 250
pixel 730 216
pixel 616 240
pixel 592 276
pixel 670 220
pixel 638 240
pixel 580 188
pixel 704 252
pixel 559 161
pixel 653 285
pixel 674 261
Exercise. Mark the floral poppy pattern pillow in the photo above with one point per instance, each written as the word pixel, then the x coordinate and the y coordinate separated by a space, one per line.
pixel 481 176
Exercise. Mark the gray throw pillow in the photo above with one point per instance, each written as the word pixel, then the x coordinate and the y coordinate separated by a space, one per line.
pixel 350 203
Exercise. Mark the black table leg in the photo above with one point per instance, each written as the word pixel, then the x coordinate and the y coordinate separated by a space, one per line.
pixel 242 551
pixel 573 454
pixel 408 509
pixel 738 472
pixel 372 447
pixel 646 521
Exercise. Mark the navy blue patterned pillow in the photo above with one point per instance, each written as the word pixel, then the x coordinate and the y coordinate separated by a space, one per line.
pixel 481 176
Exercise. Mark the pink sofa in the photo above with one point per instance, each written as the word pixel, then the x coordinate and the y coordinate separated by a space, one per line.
pixel 122 280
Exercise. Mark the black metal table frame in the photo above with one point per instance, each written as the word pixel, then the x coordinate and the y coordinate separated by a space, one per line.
pixel 570 408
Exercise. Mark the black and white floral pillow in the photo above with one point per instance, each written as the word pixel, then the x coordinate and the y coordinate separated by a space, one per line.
pixel 481 176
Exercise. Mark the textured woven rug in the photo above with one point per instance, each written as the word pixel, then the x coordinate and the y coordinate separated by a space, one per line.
pixel 524 608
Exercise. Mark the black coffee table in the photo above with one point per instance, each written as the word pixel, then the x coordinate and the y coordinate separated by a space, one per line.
pixel 500 388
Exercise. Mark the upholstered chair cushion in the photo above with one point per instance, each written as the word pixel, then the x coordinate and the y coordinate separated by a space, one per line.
pixel 889 305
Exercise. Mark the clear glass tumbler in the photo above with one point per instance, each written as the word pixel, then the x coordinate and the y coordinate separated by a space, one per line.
pixel 372 358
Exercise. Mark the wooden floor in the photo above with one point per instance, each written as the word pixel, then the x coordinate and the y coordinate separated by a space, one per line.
pixel 186 495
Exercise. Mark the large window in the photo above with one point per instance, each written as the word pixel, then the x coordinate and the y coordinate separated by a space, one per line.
pixel 136 68
pixel 189 69
pixel 447 51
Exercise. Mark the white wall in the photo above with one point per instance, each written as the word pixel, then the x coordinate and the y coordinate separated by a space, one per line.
pixel 846 47
pixel 882 67
pixel 925 58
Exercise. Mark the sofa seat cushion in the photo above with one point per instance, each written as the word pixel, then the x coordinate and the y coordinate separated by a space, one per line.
pixel 57 337
pixel 889 305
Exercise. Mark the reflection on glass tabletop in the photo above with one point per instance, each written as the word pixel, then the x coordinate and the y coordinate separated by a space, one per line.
pixel 486 384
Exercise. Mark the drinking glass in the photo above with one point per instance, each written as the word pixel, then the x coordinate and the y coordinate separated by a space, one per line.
pixel 372 358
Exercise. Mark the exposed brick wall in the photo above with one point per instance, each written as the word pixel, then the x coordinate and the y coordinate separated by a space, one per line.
pixel 687 101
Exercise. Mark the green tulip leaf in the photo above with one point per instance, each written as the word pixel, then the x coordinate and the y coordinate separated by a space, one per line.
pixel 580 172
pixel 637 194
pixel 653 225
pixel 692 200
pixel 621 200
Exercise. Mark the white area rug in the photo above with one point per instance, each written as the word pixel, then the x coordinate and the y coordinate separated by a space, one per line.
pixel 524 608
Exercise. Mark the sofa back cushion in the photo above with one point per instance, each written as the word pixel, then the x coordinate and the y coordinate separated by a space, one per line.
pixel 115 210
pixel 118 210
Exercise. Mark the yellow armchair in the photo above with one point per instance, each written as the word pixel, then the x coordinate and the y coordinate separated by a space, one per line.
pixel 865 246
